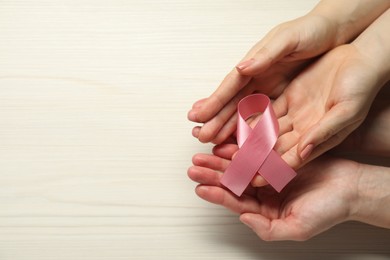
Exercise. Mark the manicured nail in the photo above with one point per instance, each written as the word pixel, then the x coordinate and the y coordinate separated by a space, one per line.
pixel 245 64
pixel 307 151
pixel 192 115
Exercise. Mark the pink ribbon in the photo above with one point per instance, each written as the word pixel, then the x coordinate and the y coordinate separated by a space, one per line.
pixel 256 152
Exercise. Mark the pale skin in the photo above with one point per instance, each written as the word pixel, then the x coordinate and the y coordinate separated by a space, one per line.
pixel 340 88
pixel 272 63
pixel 327 191
pixel 315 115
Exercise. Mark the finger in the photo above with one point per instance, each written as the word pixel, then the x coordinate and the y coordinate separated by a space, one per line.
pixel 227 199
pixel 280 106
pixel 286 141
pixel 282 44
pixel 228 151
pixel 225 151
pixel 333 122
pixel 196 131
pixel 330 143
pixel 292 158
pixel 198 103
pixel 191 115
pixel 210 161
pixel 273 81
pixel 211 128
pixel 288 228
pixel 229 87
pixel 285 125
pixel 204 176
pixel 258 181
pixel 227 130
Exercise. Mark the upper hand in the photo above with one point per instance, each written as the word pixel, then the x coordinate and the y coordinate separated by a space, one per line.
pixel 270 66
pixel 324 104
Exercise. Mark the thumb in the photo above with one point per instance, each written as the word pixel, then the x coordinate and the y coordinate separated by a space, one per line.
pixel 331 130
pixel 288 228
pixel 277 47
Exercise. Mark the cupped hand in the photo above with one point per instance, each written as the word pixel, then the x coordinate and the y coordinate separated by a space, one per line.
pixel 267 68
pixel 320 197
pixel 325 103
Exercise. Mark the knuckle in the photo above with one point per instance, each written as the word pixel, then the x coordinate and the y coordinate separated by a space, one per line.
pixel 328 133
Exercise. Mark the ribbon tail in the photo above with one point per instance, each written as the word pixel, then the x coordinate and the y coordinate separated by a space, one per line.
pixel 276 171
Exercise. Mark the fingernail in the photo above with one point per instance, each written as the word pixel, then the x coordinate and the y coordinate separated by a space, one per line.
pixel 195 132
pixel 192 115
pixel 307 151
pixel 202 188
pixel 245 64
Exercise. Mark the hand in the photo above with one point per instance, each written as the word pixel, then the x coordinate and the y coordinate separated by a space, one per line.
pixel 275 60
pixel 341 87
pixel 321 196
pixel 324 104
pixel 332 97
pixel 270 64
pixel 328 191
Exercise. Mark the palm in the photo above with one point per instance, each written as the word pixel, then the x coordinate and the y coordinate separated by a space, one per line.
pixel 316 199
pixel 334 88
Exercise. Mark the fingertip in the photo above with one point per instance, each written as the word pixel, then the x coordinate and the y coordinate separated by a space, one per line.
pixel 242 66
pixel 198 104
pixel 191 172
pixel 292 158
pixel 259 224
pixel 234 154
pixel 245 218
pixel 201 190
pixel 306 151
pixel 209 193
pixel 225 150
pixel 196 131
pixel 280 106
pixel 192 115
pixel 258 181
pixel 217 149
pixel 203 138
pixel 197 159
pixel 204 135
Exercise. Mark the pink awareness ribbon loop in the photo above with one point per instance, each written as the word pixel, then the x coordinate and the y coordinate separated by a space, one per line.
pixel 256 152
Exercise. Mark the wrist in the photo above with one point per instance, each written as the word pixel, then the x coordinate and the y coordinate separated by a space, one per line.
pixel 374 46
pixel 350 16
pixel 377 70
pixel 328 27
pixel 335 27
pixel 373 196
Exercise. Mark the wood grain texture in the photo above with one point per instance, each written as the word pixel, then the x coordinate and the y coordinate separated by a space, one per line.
pixel 94 141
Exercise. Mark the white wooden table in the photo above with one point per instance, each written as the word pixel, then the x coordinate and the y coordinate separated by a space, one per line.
pixel 94 141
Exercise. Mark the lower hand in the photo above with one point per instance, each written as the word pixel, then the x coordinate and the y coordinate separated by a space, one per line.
pixel 319 198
